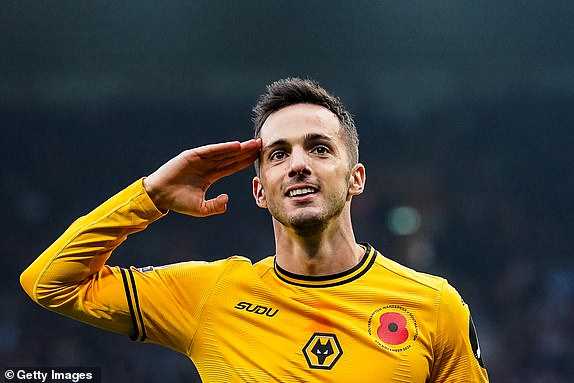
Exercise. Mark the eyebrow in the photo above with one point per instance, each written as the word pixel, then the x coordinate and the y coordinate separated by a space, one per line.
pixel 317 137
pixel 309 137
pixel 275 144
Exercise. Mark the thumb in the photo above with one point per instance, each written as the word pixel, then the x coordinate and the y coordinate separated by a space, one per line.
pixel 216 205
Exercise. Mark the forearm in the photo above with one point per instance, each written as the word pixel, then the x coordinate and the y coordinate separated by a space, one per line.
pixel 66 269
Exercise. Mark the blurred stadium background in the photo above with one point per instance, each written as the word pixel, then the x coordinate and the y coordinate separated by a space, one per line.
pixel 465 111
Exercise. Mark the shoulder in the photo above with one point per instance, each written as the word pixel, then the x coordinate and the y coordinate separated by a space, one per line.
pixel 407 280
pixel 403 274
pixel 188 268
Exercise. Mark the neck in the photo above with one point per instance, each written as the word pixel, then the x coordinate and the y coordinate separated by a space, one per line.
pixel 329 252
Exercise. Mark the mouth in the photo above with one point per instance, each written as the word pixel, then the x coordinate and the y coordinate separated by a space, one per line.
pixel 302 191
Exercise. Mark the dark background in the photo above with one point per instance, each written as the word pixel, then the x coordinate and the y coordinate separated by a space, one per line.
pixel 465 111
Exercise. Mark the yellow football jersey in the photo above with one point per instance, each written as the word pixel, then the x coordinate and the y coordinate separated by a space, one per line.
pixel 244 322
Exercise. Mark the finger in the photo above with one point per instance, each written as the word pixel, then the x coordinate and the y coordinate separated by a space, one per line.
pixel 213 150
pixel 232 167
pixel 241 156
pixel 254 143
pixel 228 166
pixel 228 149
pixel 233 163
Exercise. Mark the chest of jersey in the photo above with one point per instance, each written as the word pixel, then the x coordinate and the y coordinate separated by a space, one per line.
pixel 349 333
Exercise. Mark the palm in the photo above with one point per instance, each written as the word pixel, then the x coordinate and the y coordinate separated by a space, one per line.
pixel 181 184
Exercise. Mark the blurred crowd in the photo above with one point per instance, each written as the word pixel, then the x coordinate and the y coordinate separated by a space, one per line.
pixel 480 192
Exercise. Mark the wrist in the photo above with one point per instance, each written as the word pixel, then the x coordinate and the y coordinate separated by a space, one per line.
pixel 154 194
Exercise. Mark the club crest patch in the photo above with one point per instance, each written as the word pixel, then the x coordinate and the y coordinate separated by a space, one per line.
pixel 322 351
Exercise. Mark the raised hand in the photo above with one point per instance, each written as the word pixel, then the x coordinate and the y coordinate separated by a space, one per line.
pixel 181 183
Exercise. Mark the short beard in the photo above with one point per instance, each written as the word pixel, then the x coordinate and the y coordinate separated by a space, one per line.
pixel 310 226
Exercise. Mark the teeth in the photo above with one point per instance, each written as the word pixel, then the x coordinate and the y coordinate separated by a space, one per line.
pixel 296 192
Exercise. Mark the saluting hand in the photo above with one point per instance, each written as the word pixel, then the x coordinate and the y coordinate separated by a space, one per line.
pixel 181 183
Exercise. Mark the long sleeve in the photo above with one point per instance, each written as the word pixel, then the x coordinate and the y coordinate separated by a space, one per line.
pixel 67 275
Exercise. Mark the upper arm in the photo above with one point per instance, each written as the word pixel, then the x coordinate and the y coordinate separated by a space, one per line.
pixel 457 357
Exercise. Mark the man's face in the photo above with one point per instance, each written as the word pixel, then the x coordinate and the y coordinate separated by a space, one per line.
pixel 305 179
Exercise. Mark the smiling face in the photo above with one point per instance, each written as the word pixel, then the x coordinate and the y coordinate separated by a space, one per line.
pixel 306 178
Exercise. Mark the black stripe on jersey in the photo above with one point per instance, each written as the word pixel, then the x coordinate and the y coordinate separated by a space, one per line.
pixel 136 334
pixel 137 304
pixel 130 305
pixel 330 280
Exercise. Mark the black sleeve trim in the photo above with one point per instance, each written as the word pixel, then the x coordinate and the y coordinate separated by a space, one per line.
pixel 134 306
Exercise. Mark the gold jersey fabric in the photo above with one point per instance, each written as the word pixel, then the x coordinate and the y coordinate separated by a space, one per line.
pixel 244 322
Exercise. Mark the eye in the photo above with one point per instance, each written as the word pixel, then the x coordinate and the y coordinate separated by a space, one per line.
pixel 321 149
pixel 278 155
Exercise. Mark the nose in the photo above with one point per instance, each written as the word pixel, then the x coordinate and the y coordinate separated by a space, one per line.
pixel 299 163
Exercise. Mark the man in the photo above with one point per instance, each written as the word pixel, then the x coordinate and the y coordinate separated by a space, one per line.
pixel 323 309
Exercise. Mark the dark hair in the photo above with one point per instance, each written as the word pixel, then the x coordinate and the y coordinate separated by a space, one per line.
pixel 290 91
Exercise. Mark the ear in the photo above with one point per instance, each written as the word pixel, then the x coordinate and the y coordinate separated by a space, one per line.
pixel 357 180
pixel 259 193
